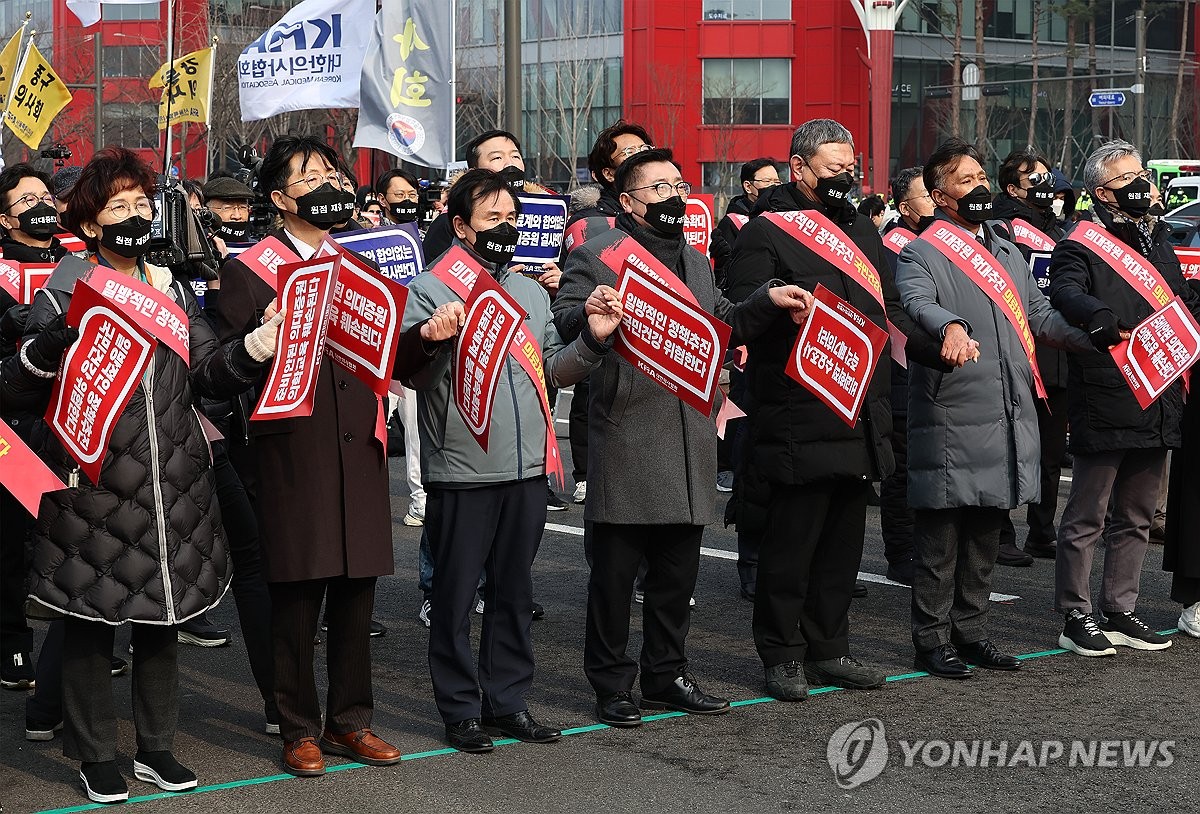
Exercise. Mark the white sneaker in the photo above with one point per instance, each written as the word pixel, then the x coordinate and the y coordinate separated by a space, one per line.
pixel 411 518
pixel 424 614
pixel 1189 620
pixel 580 492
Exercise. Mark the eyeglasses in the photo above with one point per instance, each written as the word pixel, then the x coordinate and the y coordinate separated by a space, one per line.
pixel 30 200
pixel 767 182
pixel 121 210
pixel 664 190
pixel 634 150
pixel 315 179
pixel 231 209
pixel 407 196
pixel 1036 179
pixel 1129 177
pixel 915 198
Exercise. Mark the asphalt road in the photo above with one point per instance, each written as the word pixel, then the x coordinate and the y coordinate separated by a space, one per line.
pixel 762 756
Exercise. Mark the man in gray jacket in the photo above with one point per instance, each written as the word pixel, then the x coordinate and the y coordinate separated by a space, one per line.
pixel 973 436
pixel 485 511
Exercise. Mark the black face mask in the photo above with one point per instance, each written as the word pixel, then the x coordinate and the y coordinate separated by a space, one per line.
pixel 234 231
pixel 498 244
pixel 834 192
pixel 1133 199
pixel 325 206
pixel 129 238
pixel 1157 209
pixel 924 222
pixel 404 212
pixel 1040 196
pixel 666 217
pixel 976 206
pixel 40 221
pixel 514 176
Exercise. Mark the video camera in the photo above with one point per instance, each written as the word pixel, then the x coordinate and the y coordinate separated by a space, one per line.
pixel 262 211
pixel 178 238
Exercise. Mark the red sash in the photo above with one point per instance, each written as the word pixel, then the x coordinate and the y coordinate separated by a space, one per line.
pixel 22 472
pixel 822 236
pixel 1134 269
pixel 459 271
pixel 1027 235
pixel 145 306
pixel 897 239
pixel 738 220
pixel 624 248
pixel 975 261
pixel 265 257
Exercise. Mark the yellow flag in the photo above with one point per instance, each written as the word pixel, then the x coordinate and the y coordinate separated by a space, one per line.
pixel 8 65
pixel 38 95
pixel 187 87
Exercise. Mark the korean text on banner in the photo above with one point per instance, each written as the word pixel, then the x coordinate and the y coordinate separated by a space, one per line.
pixel 22 472
pixel 396 249
pixel 1158 352
pixel 266 257
pixel 153 311
pixel 310 60
pixel 10 278
pixel 698 222
pixel 8 65
pixel 670 339
pixel 99 375
pixel 364 321
pixel 187 88
pixel 38 94
pixel 836 353
pixel 541 224
pixel 1189 262
pixel 304 296
pixel 493 318
pixel 407 86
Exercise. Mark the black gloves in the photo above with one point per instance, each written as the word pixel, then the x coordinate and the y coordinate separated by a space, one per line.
pixel 47 349
pixel 1104 330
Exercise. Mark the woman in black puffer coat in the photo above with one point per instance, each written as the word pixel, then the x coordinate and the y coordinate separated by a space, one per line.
pixel 145 544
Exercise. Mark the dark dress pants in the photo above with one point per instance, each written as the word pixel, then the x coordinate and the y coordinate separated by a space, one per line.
pixel 1052 428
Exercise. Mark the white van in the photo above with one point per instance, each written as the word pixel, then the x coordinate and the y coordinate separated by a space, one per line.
pixel 1181 191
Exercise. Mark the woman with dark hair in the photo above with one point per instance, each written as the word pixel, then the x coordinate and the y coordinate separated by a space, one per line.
pixel 144 544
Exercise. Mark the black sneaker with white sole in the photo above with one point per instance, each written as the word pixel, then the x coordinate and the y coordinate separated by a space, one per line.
pixel 199 631
pixel 102 782
pixel 1082 635
pixel 41 730
pixel 163 770
pixel 1127 630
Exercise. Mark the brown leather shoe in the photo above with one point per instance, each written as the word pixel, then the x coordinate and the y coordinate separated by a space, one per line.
pixel 363 746
pixel 303 758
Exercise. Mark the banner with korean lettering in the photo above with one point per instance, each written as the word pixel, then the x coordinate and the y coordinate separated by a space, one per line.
pixel 186 88
pixel 38 94
pixel 836 354
pixel 1189 262
pixel 10 278
pixel 266 257
pixel 541 225
pixel 22 472
pixel 153 311
pixel 396 249
pixel 8 64
pixel 33 277
pixel 99 374
pixel 698 222
pixel 493 319
pixel 310 60
pixel 1160 350
pixel 669 338
pixel 407 92
pixel 364 321
pixel 305 294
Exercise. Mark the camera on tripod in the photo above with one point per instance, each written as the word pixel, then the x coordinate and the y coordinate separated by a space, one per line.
pixel 262 211
pixel 178 239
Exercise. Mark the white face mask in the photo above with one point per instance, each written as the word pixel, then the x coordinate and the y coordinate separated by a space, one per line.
pixel 1057 207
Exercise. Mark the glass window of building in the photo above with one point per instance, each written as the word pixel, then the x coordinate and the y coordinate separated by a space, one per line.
pixel 747 9
pixel 130 60
pixel 134 126
pixel 138 11
pixel 747 91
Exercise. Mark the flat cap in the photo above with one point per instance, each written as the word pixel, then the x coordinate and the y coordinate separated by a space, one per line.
pixel 229 189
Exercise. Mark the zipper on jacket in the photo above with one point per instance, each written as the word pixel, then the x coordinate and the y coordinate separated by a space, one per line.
pixel 159 510
pixel 512 388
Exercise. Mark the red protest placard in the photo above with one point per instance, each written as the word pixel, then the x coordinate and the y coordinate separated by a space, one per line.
pixel 33 277
pixel 1189 261
pixel 153 311
pixel 1158 352
pixel 266 257
pixel 364 321
pixel 836 353
pixel 10 278
pixel 22 472
pixel 99 375
pixel 698 222
pixel 493 318
pixel 304 296
pixel 669 338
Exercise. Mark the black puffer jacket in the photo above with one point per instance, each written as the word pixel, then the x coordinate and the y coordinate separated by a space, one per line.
pixel 1102 410
pixel 145 544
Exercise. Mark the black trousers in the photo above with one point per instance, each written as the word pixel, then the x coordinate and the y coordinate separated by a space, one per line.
pixel 45 703
pixel 577 428
pixel 495 529
pixel 89 717
pixel 249 588
pixel 1052 427
pixel 896 518
pixel 954 556
pixel 295 612
pixel 672 555
pixel 15 523
pixel 807 565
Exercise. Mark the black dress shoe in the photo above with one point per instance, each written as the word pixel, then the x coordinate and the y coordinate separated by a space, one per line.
pixel 1042 551
pixel 683 695
pixel 860 590
pixel 943 662
pixel 523 727
pixel 618 710
pixel 468 736
pixel 986 654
